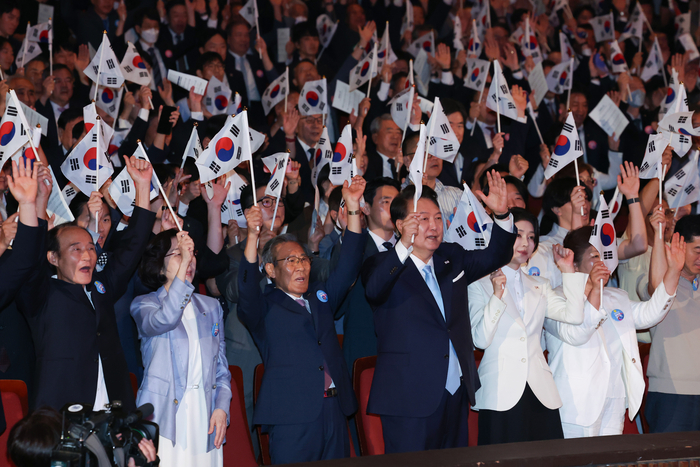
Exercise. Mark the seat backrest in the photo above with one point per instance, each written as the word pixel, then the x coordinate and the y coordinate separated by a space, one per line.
pixel 15 403
pixel 263 438
pixel 134 383
pixel 238 450
pixel 369 426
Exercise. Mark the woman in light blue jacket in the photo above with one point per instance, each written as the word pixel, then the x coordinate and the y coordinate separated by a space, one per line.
pixel 184 353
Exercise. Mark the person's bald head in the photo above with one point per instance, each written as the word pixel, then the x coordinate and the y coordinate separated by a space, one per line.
pixel 24 89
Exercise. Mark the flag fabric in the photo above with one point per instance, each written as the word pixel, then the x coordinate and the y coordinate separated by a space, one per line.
pixel 558 5
pixel 226 150
pixel 501 97
pixel 682 24
pixel 688 44
pixel 559 78
pixel 471 226
pixel 123 190
pixel 528 43
pixel 217 97
pixel 656 144
pixel 110 71
pixel 233 209
pixel 425 42
pixel 385 54
pixel 90 118
pixel 323 154
pixel 364 70
pixel 237 106
pixel 275 92
pixel 457 35
pixel 603 27
pixel 654 64
pixel 477 71
pixel 41 33
pixel 678 122
pixel 567 150
pixel 313 99
pixel 326 29
pixel 27 52
pixel 619 65
pixel 567 52
pixel 483 19
pixel 341 163
pixel 635 24
pixel 603 237
pixel 108 99
pixel 670 103
pixel 81 164
pixel 249 12
pixel 256 140
pixel 133 67
pixel 407 21
pixel 517 35
pixel 415 170
pixel 615 204
pixel 13 134
pixel 475 43
pixel 274 185
pixel 25 152
pixel 400 107
pixel 684 186
pixel 193 148
pixel 443 141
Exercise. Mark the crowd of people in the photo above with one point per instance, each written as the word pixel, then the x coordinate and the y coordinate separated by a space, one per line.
pixel 131 244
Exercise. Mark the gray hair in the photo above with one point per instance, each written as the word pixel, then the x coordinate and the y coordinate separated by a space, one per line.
pixel 377 122
pixel 270 248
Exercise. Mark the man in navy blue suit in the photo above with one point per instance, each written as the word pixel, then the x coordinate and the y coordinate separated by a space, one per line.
pixel 426 374
pixel 306 393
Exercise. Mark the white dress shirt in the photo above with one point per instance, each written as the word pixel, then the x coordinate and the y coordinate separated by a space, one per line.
pixel 244 67
pixel 101 396
pixel 379 241
pixel 386 167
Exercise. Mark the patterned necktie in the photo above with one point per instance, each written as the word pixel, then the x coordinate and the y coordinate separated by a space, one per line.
pixel 453 371
pixel 388 245
pixel 326 375
pixel 155 68
pixel 392 164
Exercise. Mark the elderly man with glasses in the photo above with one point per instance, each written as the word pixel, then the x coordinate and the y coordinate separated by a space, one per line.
pixel 306 393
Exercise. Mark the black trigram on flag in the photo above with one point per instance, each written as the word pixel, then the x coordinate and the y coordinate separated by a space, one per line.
pixel 239 153
pixel 358 82
pixel 321 141
pixel 607 255
pixel 689 189
pixel 128 69
pixel 214 167
pixel 305 107
pixel 322 105
pixel 94 138
pixel 504 89
pixel 143 74
pixel 568 127
pixel 595 230
pixel 683 139
pixel 274 185
pixel 432 140
pixel 671 128
pixel 447 148
pixel 605 214
pixel 12 111
pixel 217 89
pixel 91 179
pixel 70 191
pixel 673 192
pixel 126 186
pixel 239 212
pixel 577 145
pixel 644 167
pixel 445 128
pixel 111 80
pixel 110 64
pixel 460 231
pixel 680 174
pixel 682 119
pixel 224 208
pixel 319 88
pixel 95 69
pixel 235 131
pixel 336 170
pixel 479 241
pixel 652 147
pixel 553 163
pixel 74 165
pixel 511 106
pixel 399 107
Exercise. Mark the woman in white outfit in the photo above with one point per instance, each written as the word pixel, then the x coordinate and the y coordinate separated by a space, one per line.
pixel 596 364
pixel 186 374
pixel 518 399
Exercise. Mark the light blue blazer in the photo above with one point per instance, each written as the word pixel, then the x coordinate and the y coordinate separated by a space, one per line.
pixel 165 348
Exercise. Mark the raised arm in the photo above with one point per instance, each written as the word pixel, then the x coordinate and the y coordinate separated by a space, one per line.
pixel 486 308
pixel 636 242
pixel 657 265
pixel 569 308
pixel 250 299
pixel 215 237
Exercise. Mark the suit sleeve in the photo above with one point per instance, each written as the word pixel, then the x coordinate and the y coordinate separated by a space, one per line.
pixel 345 273
pixel 569 308
pixel 379 275
pixel 223 394
pixel 650 313
pixel 576 334
pixel 251 309
pixel 18 265
pixel 485 311
pixel 153 317
pixel 479 263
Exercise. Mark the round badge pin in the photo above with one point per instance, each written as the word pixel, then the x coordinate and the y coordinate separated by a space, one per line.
pixel 259 73
pixel 592 144
pixel 169 53
pixel 215 329
pixel 617 315
pixel 322 296
pixel 533 271
pixel 695 284
pixel 100 288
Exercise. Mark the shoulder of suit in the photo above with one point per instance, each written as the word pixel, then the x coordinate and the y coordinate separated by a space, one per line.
pixel 617 294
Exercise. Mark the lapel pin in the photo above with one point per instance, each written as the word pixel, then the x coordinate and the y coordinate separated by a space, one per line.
pixel 447 261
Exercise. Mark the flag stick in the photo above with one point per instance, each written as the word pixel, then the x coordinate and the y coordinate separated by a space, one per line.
pixel 534 120
pixel 277 204
pixel 99 66
pixel 372 66
pixel 410 72
pixel 26 43
pixel 184 156
pixel 661 191
pixel 98 130
pixel 431 130
pixel 150 102
pixel 498 98
pixel 410 111
pixel 601 293
pixel 286 74
pixel 160 188
pixel 481 95
pixel 354 169
pixel 116 118
pixel 50 47
pixel 257 26
pixel 578 180
pixel 571 73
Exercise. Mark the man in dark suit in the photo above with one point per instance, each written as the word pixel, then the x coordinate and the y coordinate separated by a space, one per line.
pixel 73 321
pixel 178 41
pixel 426 375
pixel 306 393
pixel 89 25
pixel 386 135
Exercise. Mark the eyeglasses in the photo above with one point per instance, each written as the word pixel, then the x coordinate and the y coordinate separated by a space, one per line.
pixel 295 261
pixel 267 202
pixel 215 66
pixel 315 120
pixel 178 254
pixel 63 81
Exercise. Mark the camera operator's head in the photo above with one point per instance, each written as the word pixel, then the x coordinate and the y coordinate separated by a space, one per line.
pixel 33 438
pixel 72 252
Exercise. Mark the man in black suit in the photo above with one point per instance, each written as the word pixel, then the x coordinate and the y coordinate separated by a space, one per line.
pixel 73 321
pixel 426 375
pixel 386 135
pixel 89 25
pixel 178 41
pixel 306 392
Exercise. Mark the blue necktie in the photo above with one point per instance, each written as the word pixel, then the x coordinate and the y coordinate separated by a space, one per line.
pixel 453 369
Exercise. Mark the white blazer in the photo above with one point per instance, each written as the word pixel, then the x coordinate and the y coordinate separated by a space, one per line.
pixel 579 360
pixel 512 350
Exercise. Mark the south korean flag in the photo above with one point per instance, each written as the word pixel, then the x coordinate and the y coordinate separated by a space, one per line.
pixel 232 209
pixel 134 68
pixel 226 150
pixel 313 99
pixel 341 164
pixel 274 186
pixel 110 70
pixel 499 94
pixel 87 165
pixel 400 107
pixel 471 226
pixel 275 92
pixel 13 135
pixel 323 155
pixel 123 191
pixel 603 27
pixel 477 70
pixel 603 237
pixel 656 145
pixel 684 187
pixel 567 150
pixel 679 122
pixel 218 97
pixel 443 141
pixel 559 78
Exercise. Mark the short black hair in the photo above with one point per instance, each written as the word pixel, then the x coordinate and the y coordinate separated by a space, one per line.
pixel 153 259
pixel 56 67
pixel 334 199
pixel 172 3
pixel 150 13
pixel 7 6
pixel 578 241
pixel 450 106
pixel 69 45
pixel 77 204
pixel 302 30
pixel 483 178
pixel 556 195
pixel 208 33
pixel 206 58
pixel 372 187
pixel 214 124
pixel 399 207
pixel 31 440
pixel 68 115
pixel 520 214
pixel 511 180
pixel 247 197
pixel 688 227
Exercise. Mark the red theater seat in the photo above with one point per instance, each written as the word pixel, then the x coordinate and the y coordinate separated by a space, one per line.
pixel 16 405
pixel 238 450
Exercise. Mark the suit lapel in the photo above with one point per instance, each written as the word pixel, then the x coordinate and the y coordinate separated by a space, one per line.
pixel 443 269
pixel 203 328
pixel 416 282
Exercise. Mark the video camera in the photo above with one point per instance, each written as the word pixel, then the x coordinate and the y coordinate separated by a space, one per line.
pixel 105 438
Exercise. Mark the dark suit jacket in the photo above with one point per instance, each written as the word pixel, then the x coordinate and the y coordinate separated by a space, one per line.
pixel 173 55
pixel 51 139
pixel 294 343
pixel 88 26
pixel 412 336
pixel 17 264
pixel 70 334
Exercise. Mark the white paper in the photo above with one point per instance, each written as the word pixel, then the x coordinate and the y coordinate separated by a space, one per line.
pixel 538 83
pixel 422 71
pixel 57 204
pixel 45 12
pixel 346 101
pixel 283 35
pixel 186 81
pixel 609 117
pixel 425 106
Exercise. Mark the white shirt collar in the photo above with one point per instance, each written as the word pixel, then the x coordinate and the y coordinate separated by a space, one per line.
pixel 305 146
pixel 379 241
pixel 421 265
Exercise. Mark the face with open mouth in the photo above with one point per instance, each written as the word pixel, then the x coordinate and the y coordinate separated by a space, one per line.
pixel 76 258
pixel 290 269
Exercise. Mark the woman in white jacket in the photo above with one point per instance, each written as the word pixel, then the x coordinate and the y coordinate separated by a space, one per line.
pixel 518 399
pixel 596 364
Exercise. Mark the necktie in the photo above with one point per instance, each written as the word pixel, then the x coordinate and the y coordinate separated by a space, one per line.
pixel 327 380
pixel 178 39
pixel 392 164
pixel 61 109
pixel 155 68
pixel 311 154
pixel 491 130
pixel 453 370
pixel 243 66
pixel 388 245
pixel 638 123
